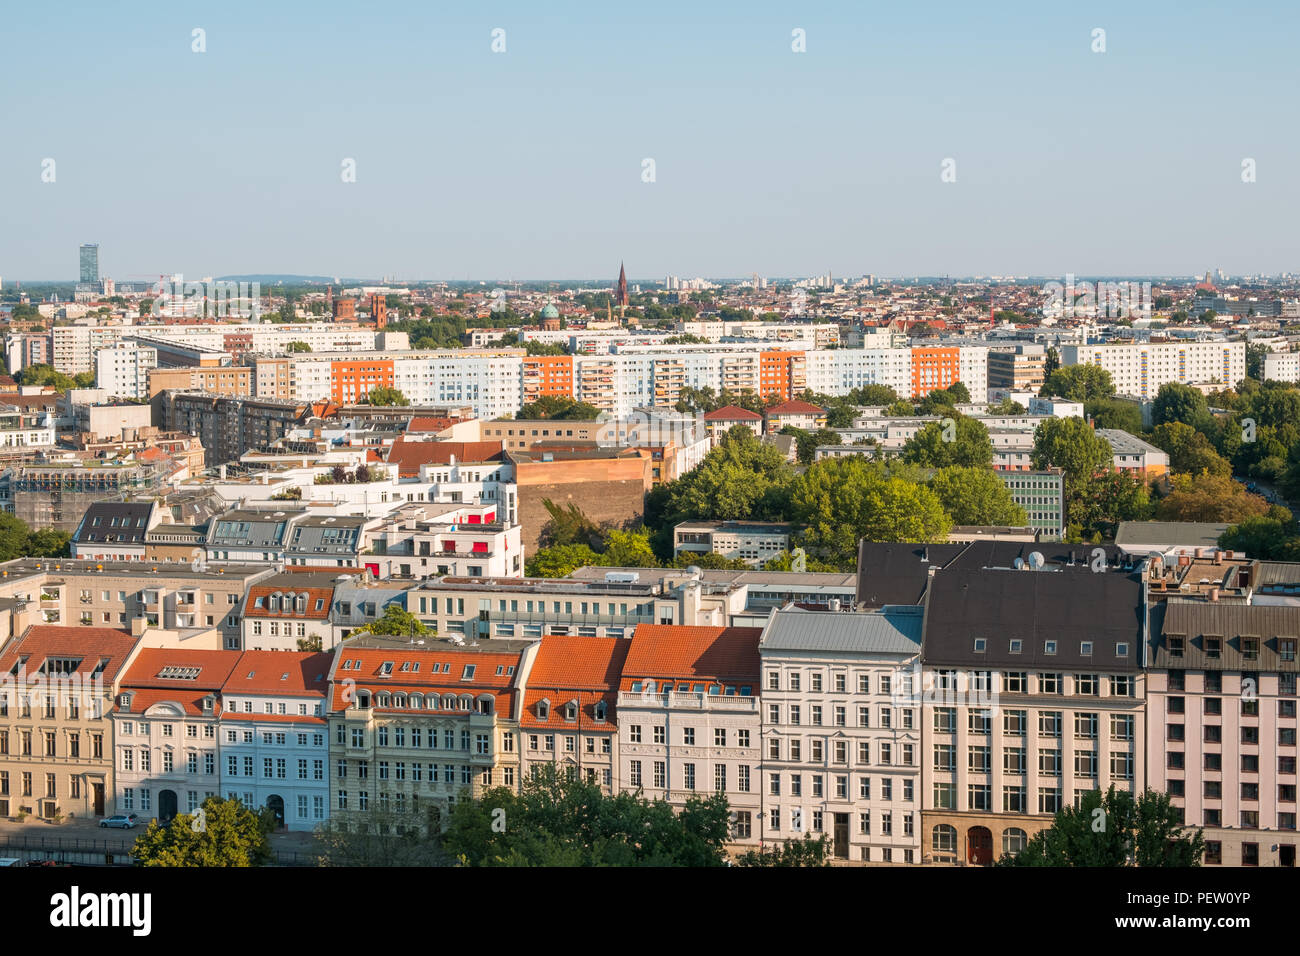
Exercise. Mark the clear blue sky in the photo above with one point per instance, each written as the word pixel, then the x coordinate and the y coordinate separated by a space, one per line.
pixel 527 164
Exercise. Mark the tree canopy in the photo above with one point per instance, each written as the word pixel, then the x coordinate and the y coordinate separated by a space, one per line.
pixel 559 408
pixel 1114 830
pixel 224 833
pixel 961 441
pixel 976 496
pixel 1078 383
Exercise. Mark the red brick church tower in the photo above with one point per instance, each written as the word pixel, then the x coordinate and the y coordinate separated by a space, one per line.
pixel 620 294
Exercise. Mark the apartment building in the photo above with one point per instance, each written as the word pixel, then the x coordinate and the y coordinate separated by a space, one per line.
pixel 722 420
pixel 1131 454
pixel 754 542
pixel 230 381
pixel 272 746
pixel 252 536
pixel 1033 694
pixel 229 427
pixel 569 707
pixel 122 369
pixel 55 725
pixel 794 413
pixel 1017 367
pixel 416 541
pixel 839 758
pixel 165 731
pixel 114 530
pixel 1140 368
pixel 689 722
pixel 1042 495
pixel 330 541
pixel 1221 712
pixel 283 609
pixel 413 726
pixel 117 593
pixel 1281 367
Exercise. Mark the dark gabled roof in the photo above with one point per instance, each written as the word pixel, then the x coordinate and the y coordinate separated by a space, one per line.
pixel 898 573
pixel 117 522
pixel 1230 622
pixel 1034 607
pixel 893 573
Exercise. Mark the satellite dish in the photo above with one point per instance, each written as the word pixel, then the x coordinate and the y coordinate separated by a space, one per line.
pixel 1035 559
pixel 1019 563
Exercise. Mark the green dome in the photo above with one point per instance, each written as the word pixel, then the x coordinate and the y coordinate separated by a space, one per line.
pixel 550 312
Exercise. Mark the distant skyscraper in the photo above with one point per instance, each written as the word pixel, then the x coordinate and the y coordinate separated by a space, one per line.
pixel 620 294
pixel 90 263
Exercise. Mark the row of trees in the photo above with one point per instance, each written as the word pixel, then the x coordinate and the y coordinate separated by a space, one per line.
pixel 17 540
pixel 559 820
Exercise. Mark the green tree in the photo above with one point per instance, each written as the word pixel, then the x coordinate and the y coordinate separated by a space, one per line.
pixel 1078 383
pixel 1178 403
pixel 375 837
pixel 43 374
pixel 742 478
pixel 1115 413
pixel 1112 831
pixel 871 395
pixel 1071 445
pixel 554 821
pixel 960 440
pixel 560 561
pixel 383 395
pixel 226 833
pixel 15 537
pixel 47 543
pixel 1100 503
pixel 1007 407
pixel 559 408
pixel 959 393
pixel 841 500
pixel 1266 538
pixel 976 496
pixel 293 347
pixel 568 526
pixel 1190 452
pixel 709 561
pixel 810 851
pixel 396 621
pixel 628 549
pixel 1213 498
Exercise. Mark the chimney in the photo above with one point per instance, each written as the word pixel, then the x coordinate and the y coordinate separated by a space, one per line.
pixel 1214 595
pixel 1218 557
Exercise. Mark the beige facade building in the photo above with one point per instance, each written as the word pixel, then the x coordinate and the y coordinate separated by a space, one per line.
pixel 58 693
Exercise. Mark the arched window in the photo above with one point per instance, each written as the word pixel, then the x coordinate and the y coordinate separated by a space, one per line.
pixel 944 839
pixel 1014 840
pixel 416 702
pixel 363 698
pixel 399 700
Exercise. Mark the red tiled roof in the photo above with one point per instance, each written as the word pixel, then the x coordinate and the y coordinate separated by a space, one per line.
pixel 732 413
pixel 410 455
pixel 289 590
pixel 91 644
pixel 583 668
pixel 287 673
pixel 794 407
pixel 430 423
pixel 214 669
pixel 727 654
pixel 148 689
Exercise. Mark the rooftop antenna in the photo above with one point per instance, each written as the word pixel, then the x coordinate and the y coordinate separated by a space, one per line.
pixel 1035 559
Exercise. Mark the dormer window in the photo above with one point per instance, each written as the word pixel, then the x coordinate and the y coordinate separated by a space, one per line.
pixel 571 710
pixel 600 710
pixel 543 710
pixel 208 704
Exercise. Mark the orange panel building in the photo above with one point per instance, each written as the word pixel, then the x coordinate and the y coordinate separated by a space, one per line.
pixel 782 373
pixel 547 375
pixel 352 380
pixel 934 368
